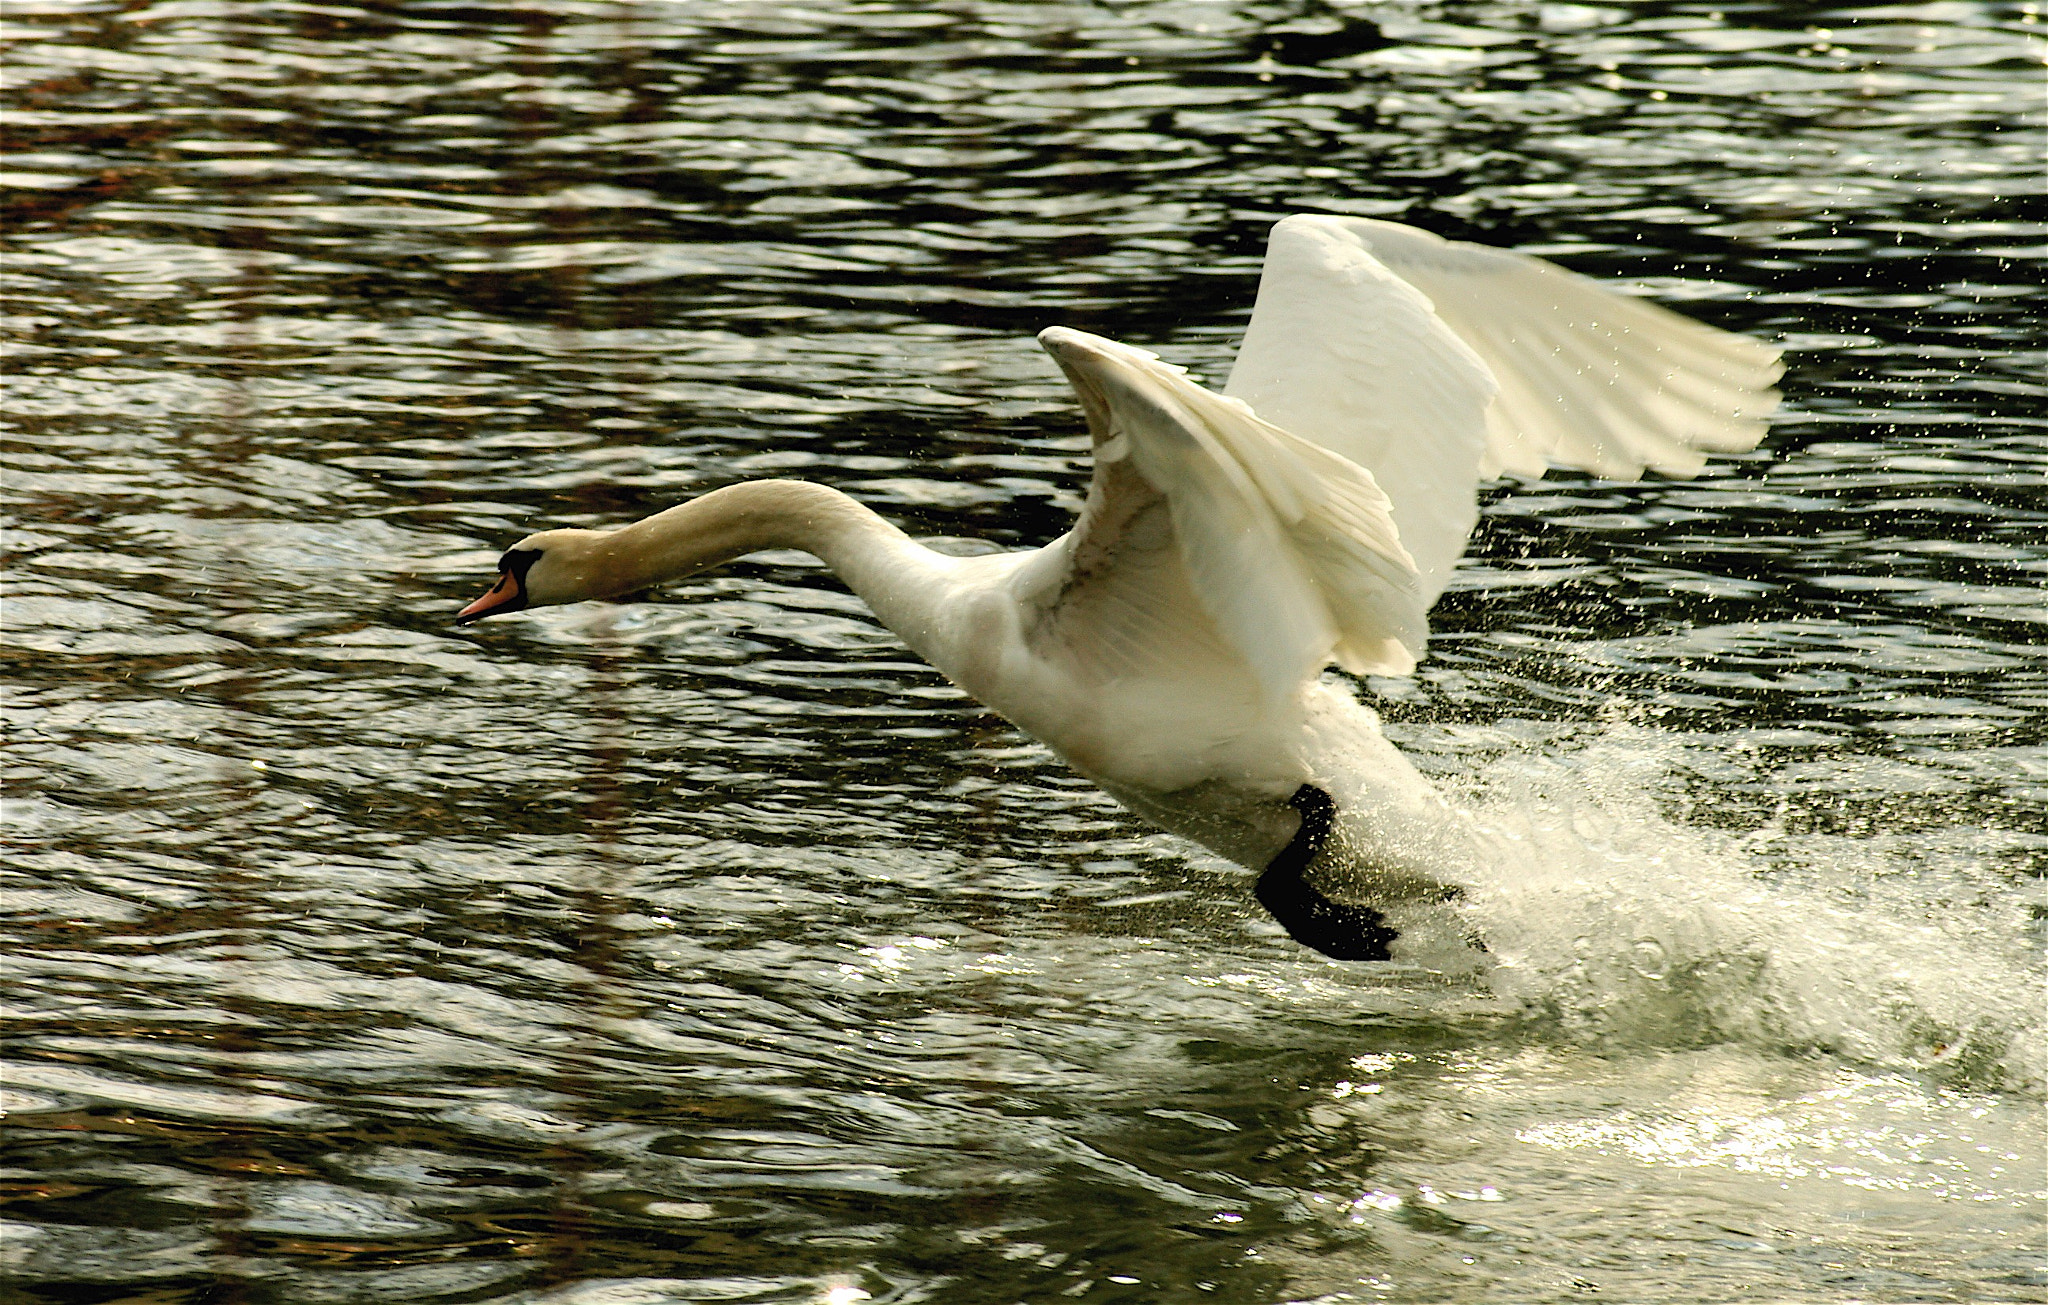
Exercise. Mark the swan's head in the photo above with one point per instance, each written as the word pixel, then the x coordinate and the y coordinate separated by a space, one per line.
pixel 573 566
pixel 545 570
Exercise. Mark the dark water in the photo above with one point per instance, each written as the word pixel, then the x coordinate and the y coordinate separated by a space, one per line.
pixel 716 950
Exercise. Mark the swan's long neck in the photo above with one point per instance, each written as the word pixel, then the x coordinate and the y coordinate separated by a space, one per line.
pixel 902 581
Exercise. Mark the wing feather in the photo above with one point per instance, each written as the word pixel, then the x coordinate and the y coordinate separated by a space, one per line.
pixel 1437 364
pixel 1314 511
pixel 1289 548
pixel 1712 389
pixel 1345 354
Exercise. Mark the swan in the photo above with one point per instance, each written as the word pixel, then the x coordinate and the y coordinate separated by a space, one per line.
pixel 1172 646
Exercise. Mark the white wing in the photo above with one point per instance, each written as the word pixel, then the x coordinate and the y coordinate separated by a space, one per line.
pixel 1289 548
pixel 1436 364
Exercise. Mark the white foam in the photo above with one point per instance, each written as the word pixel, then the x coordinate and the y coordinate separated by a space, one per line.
pixel 1607 920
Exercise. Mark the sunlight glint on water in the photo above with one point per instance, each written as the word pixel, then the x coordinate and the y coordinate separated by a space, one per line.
pixel 712 948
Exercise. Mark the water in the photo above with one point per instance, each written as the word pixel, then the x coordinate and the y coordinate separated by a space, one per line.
pixel 714 949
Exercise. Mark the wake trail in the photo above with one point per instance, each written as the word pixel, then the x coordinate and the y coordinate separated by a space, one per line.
pixel 1606 920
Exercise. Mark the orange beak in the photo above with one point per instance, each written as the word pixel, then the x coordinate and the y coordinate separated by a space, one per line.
pixel 505 596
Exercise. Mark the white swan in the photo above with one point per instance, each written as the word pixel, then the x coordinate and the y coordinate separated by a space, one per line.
pixel 1171 645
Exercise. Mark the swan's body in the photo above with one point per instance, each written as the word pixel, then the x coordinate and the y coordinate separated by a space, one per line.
pixel 1171 646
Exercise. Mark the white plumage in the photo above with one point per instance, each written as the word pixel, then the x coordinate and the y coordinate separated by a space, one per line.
pixel 1233 545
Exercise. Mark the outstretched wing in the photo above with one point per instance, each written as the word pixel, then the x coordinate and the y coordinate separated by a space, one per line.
pixel 1316 509
pixel 1436 364
pixel 1289 548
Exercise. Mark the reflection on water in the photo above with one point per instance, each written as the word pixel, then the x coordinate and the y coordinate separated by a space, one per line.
pixel 715 949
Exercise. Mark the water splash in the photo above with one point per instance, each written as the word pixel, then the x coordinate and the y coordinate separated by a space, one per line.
pixel 1607 920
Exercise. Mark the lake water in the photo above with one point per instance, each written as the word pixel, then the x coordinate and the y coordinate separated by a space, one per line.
pixel 715 949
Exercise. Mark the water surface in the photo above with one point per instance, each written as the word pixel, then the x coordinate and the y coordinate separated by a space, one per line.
pixel 715 949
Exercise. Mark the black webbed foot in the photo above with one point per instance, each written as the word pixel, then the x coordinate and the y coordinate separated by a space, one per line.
pixel 1336 929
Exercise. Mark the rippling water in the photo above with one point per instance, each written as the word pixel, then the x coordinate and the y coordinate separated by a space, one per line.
pixel 714 949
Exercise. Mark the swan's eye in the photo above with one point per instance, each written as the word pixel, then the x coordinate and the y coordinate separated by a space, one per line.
pixel 517 562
